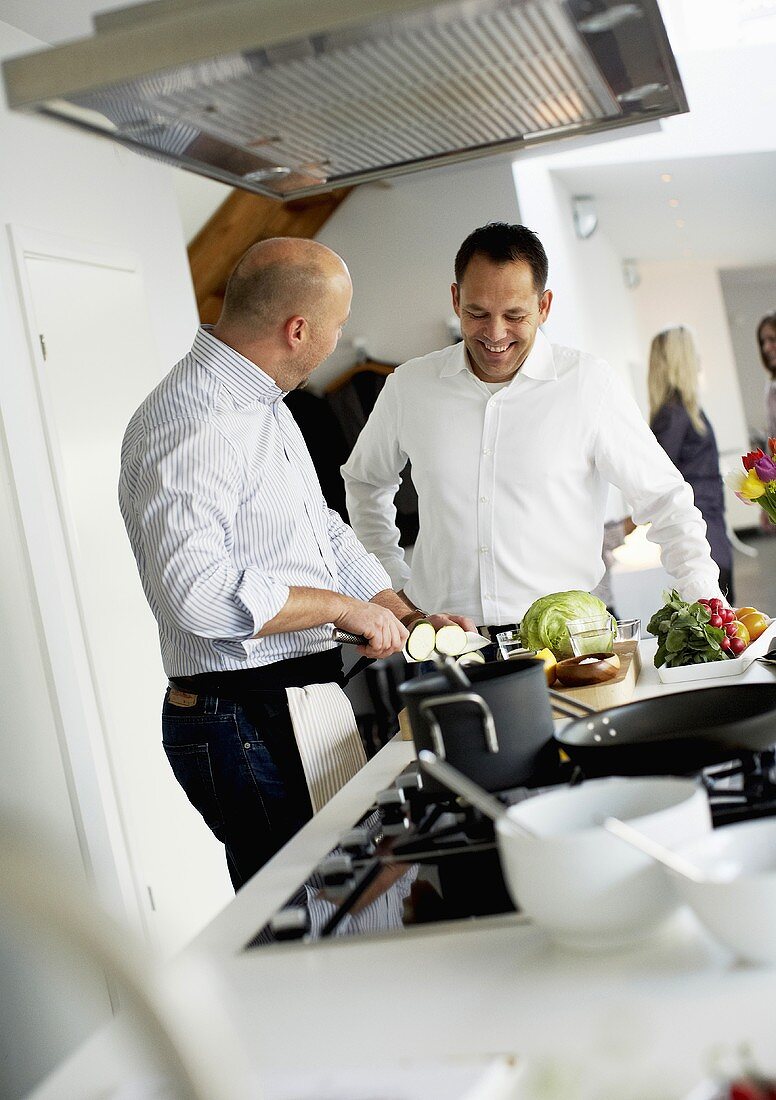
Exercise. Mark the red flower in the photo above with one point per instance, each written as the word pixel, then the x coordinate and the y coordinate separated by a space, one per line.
pixel 752 457
pixel 772 447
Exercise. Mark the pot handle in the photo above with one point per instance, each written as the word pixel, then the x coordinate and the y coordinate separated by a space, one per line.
pixel 562 703
pixel 437 739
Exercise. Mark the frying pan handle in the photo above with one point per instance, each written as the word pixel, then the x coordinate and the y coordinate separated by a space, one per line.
pixel 562 703
pixel 426 708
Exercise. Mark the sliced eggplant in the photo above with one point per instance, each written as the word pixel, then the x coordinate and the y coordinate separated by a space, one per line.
pixel 451 640
pixel 421 642
pixel 471 658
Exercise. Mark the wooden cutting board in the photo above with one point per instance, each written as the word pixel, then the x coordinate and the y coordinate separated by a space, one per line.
pixel 614 692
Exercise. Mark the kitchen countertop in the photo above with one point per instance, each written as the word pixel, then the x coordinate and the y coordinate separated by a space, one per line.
pixel 638 1024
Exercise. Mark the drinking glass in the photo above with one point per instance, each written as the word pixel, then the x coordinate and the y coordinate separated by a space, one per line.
pixel 627 630
pixel 509 644
pixel 595 635
pixel 627 634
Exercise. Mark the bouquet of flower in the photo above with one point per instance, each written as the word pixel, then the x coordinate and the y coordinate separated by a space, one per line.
pixel 757 484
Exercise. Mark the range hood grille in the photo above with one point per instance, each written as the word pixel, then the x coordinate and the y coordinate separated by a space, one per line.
pixel 370 98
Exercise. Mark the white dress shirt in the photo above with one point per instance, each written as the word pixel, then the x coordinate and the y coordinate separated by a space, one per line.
pixel 224 513
pixel 512 485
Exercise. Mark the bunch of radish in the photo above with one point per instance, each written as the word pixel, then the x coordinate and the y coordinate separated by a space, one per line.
pixel 724 618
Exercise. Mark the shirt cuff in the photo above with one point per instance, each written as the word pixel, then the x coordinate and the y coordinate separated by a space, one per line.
pixel 259 599
pixel 363 578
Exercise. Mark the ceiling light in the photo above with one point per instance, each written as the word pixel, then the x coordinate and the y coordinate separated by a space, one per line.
pixel 673 202
pixel 666 177
pixel 679 223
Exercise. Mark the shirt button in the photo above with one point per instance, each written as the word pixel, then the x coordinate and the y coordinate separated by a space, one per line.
pixel 484 500
pixel 483 549
pixel 487 596
pixel 487 451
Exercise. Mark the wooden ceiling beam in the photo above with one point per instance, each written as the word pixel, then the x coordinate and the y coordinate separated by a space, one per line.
pixel 241 220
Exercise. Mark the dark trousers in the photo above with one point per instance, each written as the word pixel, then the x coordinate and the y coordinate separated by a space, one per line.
pixel 230 743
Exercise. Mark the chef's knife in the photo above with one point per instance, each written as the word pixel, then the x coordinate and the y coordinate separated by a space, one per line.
pixel 346 638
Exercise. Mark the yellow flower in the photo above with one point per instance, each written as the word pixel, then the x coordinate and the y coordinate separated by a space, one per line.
pixel 751 487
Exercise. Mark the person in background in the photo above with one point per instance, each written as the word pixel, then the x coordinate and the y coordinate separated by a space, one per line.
pixel 766 338
pixel 683 431
pixel 244 566
pixel 514 442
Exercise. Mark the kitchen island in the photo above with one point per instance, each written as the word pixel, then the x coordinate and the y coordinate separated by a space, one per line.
pixel 637 1024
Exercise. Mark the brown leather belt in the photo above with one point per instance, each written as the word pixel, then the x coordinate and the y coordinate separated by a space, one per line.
pixel 314 668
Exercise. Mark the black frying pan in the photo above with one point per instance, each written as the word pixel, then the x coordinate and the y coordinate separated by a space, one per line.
pixel 673 734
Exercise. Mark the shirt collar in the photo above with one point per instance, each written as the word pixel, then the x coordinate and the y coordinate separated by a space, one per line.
pixel 540 363
pixel 245 381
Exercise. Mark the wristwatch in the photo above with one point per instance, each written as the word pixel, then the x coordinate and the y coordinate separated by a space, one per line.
pixel 411 616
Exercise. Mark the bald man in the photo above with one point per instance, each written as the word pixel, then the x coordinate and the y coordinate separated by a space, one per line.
pixel 242 563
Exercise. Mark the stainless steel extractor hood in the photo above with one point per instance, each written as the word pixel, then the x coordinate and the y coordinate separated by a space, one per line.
pixel 292 97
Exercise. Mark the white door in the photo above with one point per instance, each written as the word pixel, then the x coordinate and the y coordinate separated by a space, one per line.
pixel 96 362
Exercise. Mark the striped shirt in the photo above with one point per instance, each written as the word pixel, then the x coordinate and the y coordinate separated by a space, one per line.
pixel 224 512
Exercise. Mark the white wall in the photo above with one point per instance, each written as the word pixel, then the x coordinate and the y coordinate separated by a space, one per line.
pixel 56 180
pixel 592 308
pixel 749 294
pixel 399 239
pixel 198 199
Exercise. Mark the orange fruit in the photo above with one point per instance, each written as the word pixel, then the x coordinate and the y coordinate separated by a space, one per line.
pixel 754 621
pixel 741 611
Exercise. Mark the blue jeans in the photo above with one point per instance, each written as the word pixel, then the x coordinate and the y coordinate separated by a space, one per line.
pixel 240 768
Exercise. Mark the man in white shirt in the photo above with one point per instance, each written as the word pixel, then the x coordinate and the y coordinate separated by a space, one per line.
pixel 244 566
pixel 513 442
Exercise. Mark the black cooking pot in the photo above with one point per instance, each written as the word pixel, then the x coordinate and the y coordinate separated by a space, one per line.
pixel 494 724
pixel 674 734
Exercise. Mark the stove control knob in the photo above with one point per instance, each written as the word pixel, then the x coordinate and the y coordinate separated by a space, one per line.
pixel 337 871
pixel 410 782
pixel 394 812
pixel 290 924
pixel 358 843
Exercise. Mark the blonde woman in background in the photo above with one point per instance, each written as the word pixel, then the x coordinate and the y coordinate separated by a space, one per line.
pixel 685 434
pixel 766 338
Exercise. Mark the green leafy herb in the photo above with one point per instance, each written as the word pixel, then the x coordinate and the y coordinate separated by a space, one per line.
pixel 683 634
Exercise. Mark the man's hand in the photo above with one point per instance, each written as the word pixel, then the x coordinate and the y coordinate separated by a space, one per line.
pixel 441 619
pixel 385 633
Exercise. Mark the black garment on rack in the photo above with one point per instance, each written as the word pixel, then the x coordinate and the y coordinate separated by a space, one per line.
pixel 326 443
pixel 351 403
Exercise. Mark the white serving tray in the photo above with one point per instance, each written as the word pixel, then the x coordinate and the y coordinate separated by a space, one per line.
pixel 715 670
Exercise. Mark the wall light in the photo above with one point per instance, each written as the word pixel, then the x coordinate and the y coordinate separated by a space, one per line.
pixel 631 274
pixel 585 216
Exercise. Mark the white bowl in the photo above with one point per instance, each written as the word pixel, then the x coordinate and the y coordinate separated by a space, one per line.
pixel 739 911
pixel 584 886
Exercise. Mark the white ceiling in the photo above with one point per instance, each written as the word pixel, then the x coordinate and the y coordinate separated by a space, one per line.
pixel 55 21
pixel 725 203
pixel 725 206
